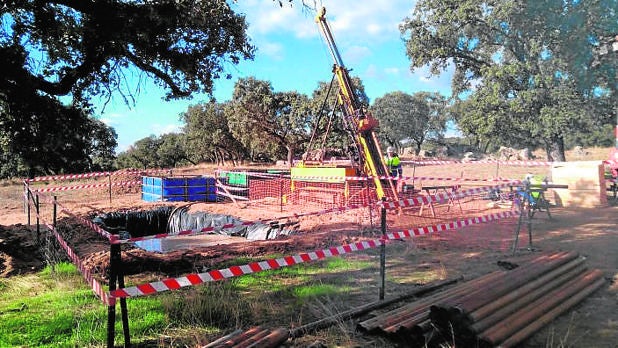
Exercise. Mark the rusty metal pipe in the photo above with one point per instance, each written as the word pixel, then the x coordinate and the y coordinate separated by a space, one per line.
pixel 545 319
pixel 273 339
pixel 421 309
pixel 515 279
pixel 241 336
pixel 529 313
pixel 250 340
pixel 385 318
pixel 503 312
pixel 423 305
pixel 511 296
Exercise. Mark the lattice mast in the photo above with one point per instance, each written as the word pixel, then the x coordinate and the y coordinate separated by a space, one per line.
pixel 358 121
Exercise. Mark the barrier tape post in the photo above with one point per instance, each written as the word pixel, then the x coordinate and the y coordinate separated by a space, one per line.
pixel 28 203
pixel 383 249
pixel 280 192
pixel 38 222
pixel 55 212
pixel 116 275
pixel 109 180
pixel 520 205
pixel 25 196
pixel 123 301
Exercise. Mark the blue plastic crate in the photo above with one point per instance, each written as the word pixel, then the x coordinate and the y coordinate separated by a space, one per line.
pixel 202 197
pixel 174 182
pixel 170 191
pixel 149 197
pixel 179 198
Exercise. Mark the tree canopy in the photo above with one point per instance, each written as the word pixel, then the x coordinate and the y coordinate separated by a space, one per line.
pixel 410 118
pixel 522 69
pixel 79 49
pixel 258 114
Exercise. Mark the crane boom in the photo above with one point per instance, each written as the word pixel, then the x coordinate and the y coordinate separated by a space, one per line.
pixel 359 121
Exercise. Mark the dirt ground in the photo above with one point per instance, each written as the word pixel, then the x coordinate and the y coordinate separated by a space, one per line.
pixel 468 252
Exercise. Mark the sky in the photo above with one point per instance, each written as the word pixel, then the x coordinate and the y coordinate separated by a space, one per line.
pixel 293 56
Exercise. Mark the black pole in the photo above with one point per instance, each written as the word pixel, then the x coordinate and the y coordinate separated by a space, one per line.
pixel 38 225
pixel 28 204
pixel 383 250
pixel 519 221
pixel 123 303
pixel 529 214
pixel 111 309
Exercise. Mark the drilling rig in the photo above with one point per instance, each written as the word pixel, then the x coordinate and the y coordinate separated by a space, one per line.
pixel 367 159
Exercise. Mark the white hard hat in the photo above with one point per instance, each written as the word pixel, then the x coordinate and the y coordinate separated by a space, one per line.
pixel 390 149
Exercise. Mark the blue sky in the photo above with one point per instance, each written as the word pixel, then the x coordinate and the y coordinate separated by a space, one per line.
pixel 292 54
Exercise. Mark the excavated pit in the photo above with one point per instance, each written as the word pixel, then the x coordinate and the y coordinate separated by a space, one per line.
pixel 211 229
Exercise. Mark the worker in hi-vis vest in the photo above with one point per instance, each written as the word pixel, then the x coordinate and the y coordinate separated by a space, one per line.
pixel 393 163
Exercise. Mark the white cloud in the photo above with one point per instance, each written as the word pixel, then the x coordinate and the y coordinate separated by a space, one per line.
pixel 356 54
pixel 160 129
pixel 271 49
pixel 348 19
pixel 392 71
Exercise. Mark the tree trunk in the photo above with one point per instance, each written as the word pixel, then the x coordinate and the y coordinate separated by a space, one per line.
pixel 555 150
pixel 290 155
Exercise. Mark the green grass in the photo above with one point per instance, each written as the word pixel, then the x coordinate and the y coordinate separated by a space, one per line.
pixel 56 308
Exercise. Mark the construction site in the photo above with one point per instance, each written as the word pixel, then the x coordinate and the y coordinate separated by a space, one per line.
pixel 441 252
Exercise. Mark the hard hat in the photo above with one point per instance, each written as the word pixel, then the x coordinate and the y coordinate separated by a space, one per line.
pixel 390 149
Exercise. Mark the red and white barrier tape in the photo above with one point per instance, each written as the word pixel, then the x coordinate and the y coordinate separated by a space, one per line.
pixel 232 188
pixel 429 178
pixel 87 186
pixel 420 231
pixel 443 197
pixel 96 287
pixel 501 162
pixel 231 196
pixel 254 267
pixel 93 175
pixel 68 176
pixel 89 223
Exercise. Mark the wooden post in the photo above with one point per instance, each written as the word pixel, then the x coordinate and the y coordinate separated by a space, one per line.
pixel 55 216
pixel 109 179
pixel 28 194
pixel 383 249
pixel 280 192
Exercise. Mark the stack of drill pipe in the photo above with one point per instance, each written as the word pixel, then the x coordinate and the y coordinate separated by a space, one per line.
pixel 451 314
pixel 412 320
pixel 500 313
pixel 256 336
pixel 518 326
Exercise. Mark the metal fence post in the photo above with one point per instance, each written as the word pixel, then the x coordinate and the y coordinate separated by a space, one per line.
pixel 383 249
